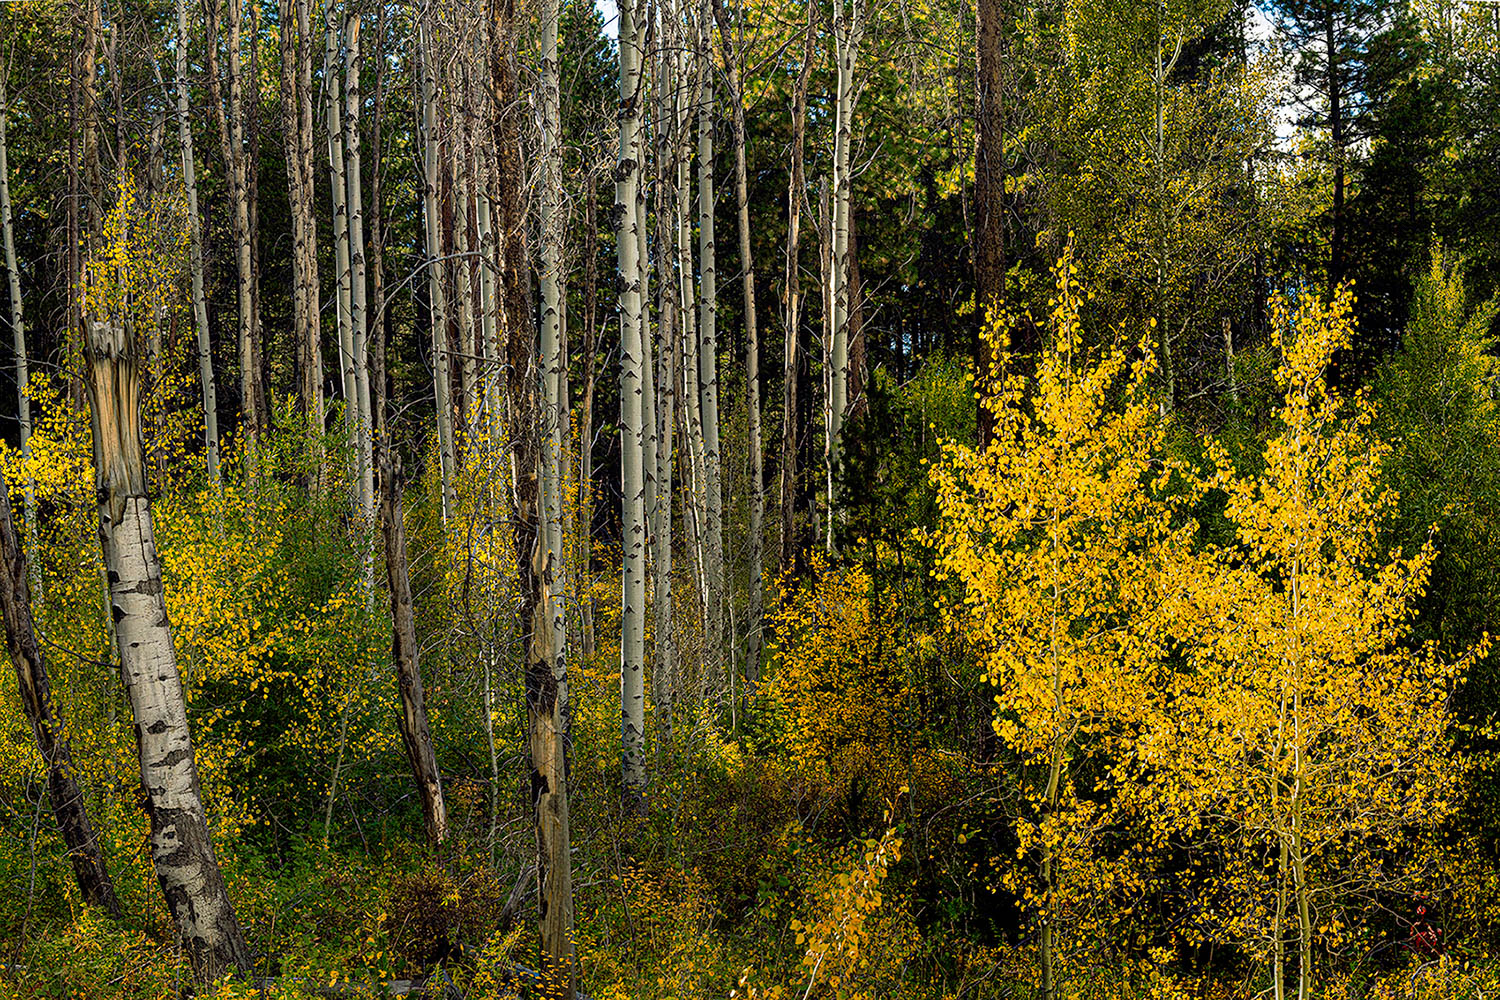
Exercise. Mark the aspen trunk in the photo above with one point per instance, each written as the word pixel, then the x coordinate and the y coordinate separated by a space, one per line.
pixel 632 443
pixel 415 734
pixel 358 289
pixel 17 318
pixel 307 272
pixel 441 361
pixel 338 186
pixel 586 418
pixel 733 57
pixel 708 353
pixel 546 666
pixel 667 362
pixel 790 555
pixel 252 392
pixel 51 738
pixel 848 32
pixel 691 399
pixel 181 849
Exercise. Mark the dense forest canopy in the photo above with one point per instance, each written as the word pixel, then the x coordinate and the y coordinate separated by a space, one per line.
pixel 774 498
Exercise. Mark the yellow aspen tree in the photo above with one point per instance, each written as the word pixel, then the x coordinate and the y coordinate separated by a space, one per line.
pixel 1310 732
pixel 1056 529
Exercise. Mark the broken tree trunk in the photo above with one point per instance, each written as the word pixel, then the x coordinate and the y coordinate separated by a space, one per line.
pixel 181 850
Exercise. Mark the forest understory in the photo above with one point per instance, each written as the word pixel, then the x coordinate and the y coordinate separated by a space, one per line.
pixel 775 499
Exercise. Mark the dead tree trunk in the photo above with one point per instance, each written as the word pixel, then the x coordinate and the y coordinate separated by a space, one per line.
pixel 415 734
pixel 36 699
pixel 546 667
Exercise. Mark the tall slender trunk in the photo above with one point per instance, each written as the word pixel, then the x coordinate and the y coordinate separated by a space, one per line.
pixel 17 318
pixel 232 137
pixel 691 400
pixel 666 361
pixel 547 708
pixel 441 360
pixel 307 271
pixel 848 33
pixel 586 416
pixel 1335 86
pixel 989 201
pixel 358 288
pixel 733 59
pixel 826 288
pixel 338 185
pixel 708 350
pixel 791 555
pixel 553 332
pixel 632 443
pixel 376 336
pixel 51 735
pixel 415 734
pixel 181 849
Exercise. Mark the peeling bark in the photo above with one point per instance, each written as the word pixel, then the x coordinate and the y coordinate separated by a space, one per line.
pixel 181 849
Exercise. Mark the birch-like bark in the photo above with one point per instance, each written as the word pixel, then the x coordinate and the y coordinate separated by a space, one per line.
pixel 360 436
pixel 708 352
pixel 690 411
pixel 17 316
pixel 733 57
pixel 667 362
pixel 586 418
pixel 307 273
pixel 441 360
pixel 252 392
pixel 415 734
pixel 632 443
pixel 51 736
pixel 338 186
pixel 546 666
pixel 791 555
pixel 848 33
pixel 181 849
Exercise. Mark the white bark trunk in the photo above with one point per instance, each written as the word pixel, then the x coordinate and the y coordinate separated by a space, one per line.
pixel 339 190
pixel 554 361
pixel 632 445
pixel 360 437
pixel 441 362
pixel 17 319
pixel 181 849
pixel 848 31
pixel 708 352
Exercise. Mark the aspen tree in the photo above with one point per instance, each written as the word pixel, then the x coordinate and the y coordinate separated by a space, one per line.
pixel 17 319
pixel 632 445
pixel 339 189
pixel 437 296
pixel 733 62
pixel 667 362
pixel 232 138
pixel 181 849
pixel 46 724
pixel 195 251
pixel 708 351
pixel 848 34
pixel 791 555
pixel 359 405
pixel 1058 530
pixel 546 666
